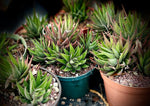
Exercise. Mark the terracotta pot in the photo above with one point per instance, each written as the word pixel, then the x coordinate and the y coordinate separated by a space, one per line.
pixel 18 29
pixel 119 95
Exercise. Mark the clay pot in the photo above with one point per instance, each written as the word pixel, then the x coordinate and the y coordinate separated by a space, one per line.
pixel 20 30
pixel 119 95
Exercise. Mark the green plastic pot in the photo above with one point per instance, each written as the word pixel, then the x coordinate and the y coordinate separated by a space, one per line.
pixel 75 87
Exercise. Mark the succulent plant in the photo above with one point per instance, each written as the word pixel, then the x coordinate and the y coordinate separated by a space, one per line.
pixel 37 51
pixel 130 25
pixel 5 70
pixel 73 60
pixel 144 63
pixel 17 38
pixel 79 11
pixel 143 58
pixel 102 17
pixel 89 41
pixel 114 55
pixel 77 8
pixel 19 68
pixel 3 43
pixel 34 25
pixel 67 5
pixel 61 31
pixel 52 54
pixel 5 46
pixel 5 49
pixel 35 90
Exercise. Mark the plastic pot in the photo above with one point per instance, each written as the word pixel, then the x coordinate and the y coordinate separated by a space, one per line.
pixel 120 95
pixel 75 87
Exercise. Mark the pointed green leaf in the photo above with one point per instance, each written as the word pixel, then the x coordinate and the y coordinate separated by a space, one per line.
pixel 115 52
pixel 21 90
pixel 62 67
pixel 63 61
pixel 38 78
pixel 99 61
pixel 66 57
pixel 82 62
pixel 108 44
pixel 84 54
pixel 27 95
pixel 77 53
pixel 72 51
pixel 69 65
pixel 147 69
pixel 123 55
pixel 49 82
pixel 66 51
pixel 85 66
pixel 32 83
pixel 43 84
pixel 105 49
pixel 46 100
pixel 110 55
pixel 67 69
pixel 110 73
pixel 47 93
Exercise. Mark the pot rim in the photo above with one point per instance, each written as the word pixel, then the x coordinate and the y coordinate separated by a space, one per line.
pixel 60 88
pixel 16 32
pixel 76 77
pixel 104 76
pixel 18 29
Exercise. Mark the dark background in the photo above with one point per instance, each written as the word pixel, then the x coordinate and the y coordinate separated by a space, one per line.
pixel 14 15
pixel 17 10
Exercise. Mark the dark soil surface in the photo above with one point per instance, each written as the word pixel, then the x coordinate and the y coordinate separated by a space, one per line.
pixel 132 79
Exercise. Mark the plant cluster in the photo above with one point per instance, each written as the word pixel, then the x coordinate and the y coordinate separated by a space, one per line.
pixel 103 17
pixel 130 25
pixel 19 70
pixel 77 8
pixel 61 31
pixel 89 41
pixel 142 57
pixel 57 35
pixel 33 87
pixel 5 70
pixel 62 44
pixel 16 74
pixel 5 46
pixel 34 25
pixel 35 90
pixel 73 60
pixel 113 55
pixel 37 51
pixel 120 51
pixel 58 43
